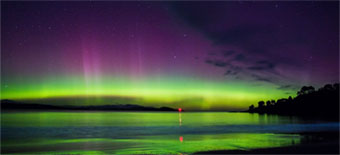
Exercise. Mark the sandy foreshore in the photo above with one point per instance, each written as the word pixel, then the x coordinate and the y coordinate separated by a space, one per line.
pixel 312 143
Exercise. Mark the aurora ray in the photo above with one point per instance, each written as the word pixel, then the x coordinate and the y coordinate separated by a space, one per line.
pixel 165 54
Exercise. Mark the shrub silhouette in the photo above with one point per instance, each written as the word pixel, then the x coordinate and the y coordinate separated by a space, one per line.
pixel 322 103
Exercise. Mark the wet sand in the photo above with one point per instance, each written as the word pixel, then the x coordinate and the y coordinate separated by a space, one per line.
pixel 313 143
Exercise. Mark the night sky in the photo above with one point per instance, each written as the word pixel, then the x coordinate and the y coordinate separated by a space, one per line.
pixel 194 55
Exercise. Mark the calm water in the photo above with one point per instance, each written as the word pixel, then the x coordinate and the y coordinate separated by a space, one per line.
pixel 148 132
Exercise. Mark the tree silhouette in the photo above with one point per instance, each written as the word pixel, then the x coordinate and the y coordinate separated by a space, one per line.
pixel 323 103
pixel 273 102
pixel 261 104
pixel 290 98
pixel 251 108
pixel 306 90
pixel 336 86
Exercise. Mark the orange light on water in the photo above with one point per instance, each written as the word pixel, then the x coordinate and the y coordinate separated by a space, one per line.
pixel 180 119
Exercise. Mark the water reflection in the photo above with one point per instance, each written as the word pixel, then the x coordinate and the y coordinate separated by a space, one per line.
pixel 181 139
pixel 180 119
pixel 147 133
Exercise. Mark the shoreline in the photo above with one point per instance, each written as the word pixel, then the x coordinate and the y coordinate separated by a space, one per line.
pixel 325 148
pixel 313 143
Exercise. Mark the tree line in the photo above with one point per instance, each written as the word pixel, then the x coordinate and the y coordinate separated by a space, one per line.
pixel 321 103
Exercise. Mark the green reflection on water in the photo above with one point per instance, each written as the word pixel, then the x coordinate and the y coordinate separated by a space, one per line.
pixel 154 144
pixel 137 119
pixel 169 144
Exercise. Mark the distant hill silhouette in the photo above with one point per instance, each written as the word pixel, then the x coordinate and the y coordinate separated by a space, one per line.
pixel 322 103
pixel 13 105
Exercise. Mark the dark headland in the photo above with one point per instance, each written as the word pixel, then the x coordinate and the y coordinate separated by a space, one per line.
pixel 309 103
pixel 14 105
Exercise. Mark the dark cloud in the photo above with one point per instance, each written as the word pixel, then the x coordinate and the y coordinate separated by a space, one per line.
pixel 239 57
pixel 204 19
pixel 285 87
pixel 248 36
pixel 263 79
pixel 230 72
pixel 231 69
pixel 227 53
pixel 288 87
pixel 217 63
pixel 220 64
pixel 257 68
pixel 267 63
pixel 209 61
pixel 262 65
pixel 269 35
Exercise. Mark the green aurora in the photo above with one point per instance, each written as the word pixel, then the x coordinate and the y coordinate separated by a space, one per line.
pixel 115 53
pixel 188 93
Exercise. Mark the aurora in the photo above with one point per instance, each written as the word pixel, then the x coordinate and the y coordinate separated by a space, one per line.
pixel 165 54
pixel 169 77
pixel 172 92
